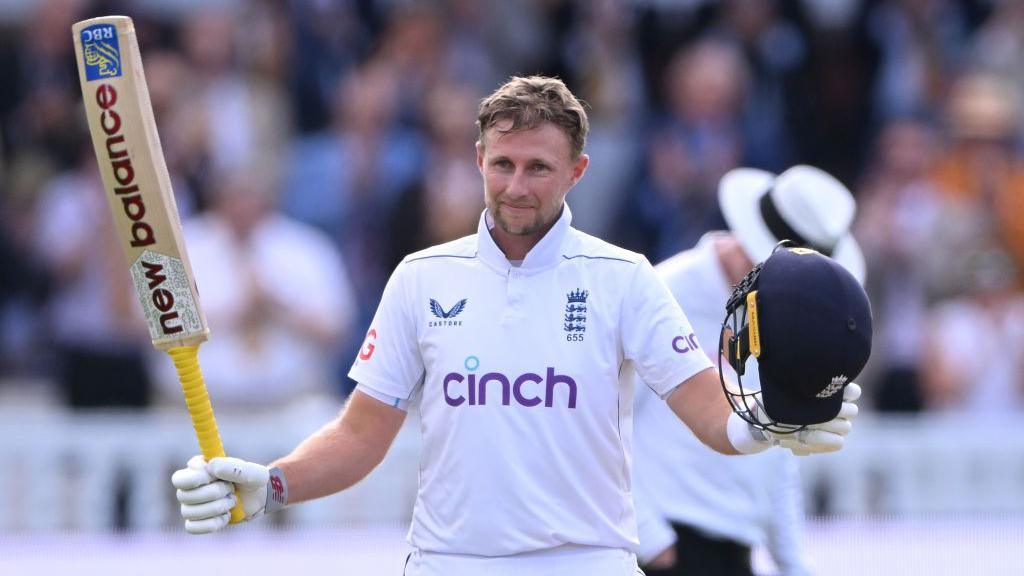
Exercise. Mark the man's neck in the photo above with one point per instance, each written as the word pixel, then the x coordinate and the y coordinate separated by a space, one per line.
pixel 515 247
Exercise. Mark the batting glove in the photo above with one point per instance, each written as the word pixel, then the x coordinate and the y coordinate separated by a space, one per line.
pixel 206 491
pixel 814 439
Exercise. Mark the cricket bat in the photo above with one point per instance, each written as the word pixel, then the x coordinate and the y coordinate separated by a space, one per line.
pixel 138 190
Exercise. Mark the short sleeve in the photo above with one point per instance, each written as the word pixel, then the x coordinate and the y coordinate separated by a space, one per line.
pixel 389 361
pixel 656 334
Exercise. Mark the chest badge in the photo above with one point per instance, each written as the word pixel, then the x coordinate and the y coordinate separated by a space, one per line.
pixel 575 319
pixel 446 317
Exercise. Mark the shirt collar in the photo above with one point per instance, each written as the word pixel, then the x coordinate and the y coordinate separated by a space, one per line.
pixel 545 254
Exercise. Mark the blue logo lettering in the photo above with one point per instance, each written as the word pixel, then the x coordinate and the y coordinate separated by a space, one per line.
pixel 574 321
pixel 101 52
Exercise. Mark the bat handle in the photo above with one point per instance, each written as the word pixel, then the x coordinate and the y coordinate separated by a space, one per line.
pixel 201 410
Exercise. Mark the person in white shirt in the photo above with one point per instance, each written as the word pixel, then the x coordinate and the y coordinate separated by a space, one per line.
pixel 275 291
pixel 519 343
pixel 700 512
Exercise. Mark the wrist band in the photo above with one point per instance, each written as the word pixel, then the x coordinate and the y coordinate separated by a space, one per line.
pixel 277 491
pixel 742 436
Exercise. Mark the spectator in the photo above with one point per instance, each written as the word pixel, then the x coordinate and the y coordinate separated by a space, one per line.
pixel 38 99
pixel 981 171
pixel 919 43
pixel 23 278
pixel 603 58
pixel 974 351
pixel 897 226
pixel 998 49
pixel 362 165
pixel 697 142
pixel 328 39
pixel 777 54
pixel 276 295
pixel 94 316
pixel 448 199
pixel 234 118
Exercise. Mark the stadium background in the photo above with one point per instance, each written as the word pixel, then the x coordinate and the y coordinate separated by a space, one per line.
pixel 355 119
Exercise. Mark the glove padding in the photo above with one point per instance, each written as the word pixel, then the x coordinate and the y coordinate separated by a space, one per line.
pixel 818 438
pixel 206 491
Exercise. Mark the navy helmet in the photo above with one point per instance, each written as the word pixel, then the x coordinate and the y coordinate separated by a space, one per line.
pixel 807 321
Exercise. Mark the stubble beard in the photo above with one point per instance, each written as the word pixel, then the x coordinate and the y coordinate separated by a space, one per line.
pixel 517 229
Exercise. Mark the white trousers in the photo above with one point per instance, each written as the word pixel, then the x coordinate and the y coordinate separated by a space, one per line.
pixel 568 560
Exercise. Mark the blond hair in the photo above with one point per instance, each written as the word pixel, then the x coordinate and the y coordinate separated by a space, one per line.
pixel 531 101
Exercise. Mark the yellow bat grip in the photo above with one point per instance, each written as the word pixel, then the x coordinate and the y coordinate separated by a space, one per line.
pixel 201 411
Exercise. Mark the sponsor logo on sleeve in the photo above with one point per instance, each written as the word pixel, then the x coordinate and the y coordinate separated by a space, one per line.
pixel 683 344
pixel 366 352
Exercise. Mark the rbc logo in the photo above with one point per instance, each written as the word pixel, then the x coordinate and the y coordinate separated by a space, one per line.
pixel 101 52
pixel 527 390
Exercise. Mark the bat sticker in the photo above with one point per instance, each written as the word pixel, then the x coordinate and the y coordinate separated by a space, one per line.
pixel 101 52
pixel 163 287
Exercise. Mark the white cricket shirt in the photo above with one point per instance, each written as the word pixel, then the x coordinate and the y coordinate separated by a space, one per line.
pixel 752 499
pixel 527 376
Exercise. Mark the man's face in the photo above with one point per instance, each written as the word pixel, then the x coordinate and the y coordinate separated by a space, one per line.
pixel 527 174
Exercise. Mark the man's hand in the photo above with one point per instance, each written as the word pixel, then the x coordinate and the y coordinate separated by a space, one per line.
pixel 816 438
pixel 663 561
pixel 206 491
pixel 819 438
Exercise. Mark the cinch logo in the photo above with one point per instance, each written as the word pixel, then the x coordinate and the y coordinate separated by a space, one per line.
pixel 527 390
pixel 683 344
pixel 445 318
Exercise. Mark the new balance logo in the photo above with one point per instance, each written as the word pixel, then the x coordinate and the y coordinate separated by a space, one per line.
pixel 277 489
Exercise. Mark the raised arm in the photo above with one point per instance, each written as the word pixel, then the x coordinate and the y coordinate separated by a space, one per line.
pixel 344 451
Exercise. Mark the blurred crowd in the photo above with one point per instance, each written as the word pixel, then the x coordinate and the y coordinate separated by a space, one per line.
pixel 312 143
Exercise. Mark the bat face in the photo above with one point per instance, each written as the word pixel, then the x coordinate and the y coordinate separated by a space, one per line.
pixel 135 179
pixel 139 194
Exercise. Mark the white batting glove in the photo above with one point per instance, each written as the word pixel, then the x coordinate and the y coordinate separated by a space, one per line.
pixel 814 439
pixel 825 437
pixel 206 491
